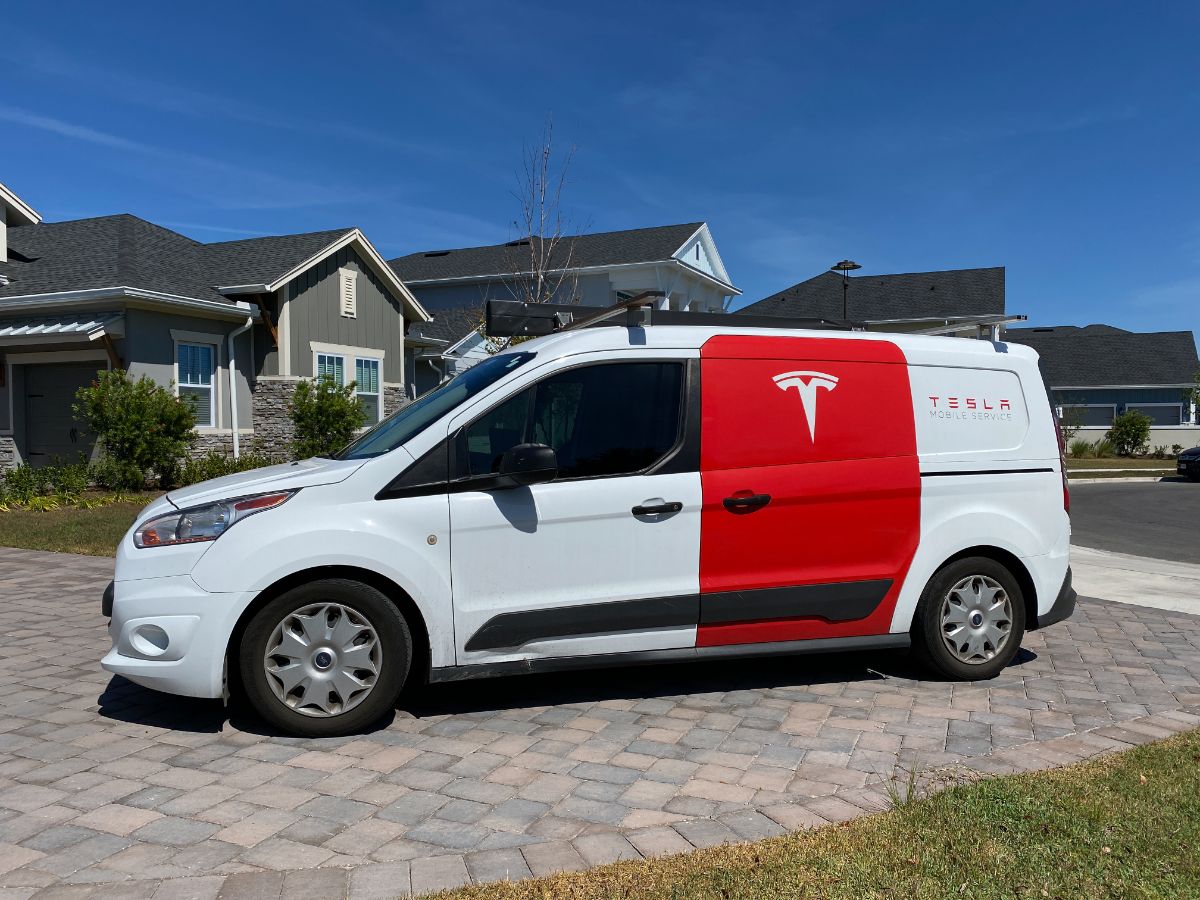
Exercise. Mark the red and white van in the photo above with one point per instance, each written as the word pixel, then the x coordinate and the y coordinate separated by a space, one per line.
pixel 613 496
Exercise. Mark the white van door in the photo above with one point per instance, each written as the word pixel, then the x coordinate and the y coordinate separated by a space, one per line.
pixel 605 557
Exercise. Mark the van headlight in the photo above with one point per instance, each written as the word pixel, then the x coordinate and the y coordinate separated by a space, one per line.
pixel 204 523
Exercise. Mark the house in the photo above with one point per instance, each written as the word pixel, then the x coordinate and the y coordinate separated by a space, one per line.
pixel 231 325
pixel 590 269
pixel 961 302
pixel 1097 372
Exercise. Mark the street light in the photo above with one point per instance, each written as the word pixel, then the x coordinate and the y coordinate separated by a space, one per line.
pixel 846 266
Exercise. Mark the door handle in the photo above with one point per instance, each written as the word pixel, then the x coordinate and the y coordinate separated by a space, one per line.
pixel 657 509
pixel 746 504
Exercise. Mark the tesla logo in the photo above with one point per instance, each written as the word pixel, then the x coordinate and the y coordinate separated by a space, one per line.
pixel 806 385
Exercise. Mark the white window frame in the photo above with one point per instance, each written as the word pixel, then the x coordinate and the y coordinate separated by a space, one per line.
pixel 214 340
pixel 378 392
pixel 350 357
pixel 348 292
pixel 1178 405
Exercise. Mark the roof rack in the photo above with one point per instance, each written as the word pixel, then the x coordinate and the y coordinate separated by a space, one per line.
pixel 513 318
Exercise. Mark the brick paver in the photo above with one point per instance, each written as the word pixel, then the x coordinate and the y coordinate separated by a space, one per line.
pixel 108 788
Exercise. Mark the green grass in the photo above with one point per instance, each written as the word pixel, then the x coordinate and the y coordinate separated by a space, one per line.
pixel 95 532
pixel 1164 465
pixel 1125 826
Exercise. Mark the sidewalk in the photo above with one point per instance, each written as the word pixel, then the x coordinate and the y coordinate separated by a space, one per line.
pixel 1137 580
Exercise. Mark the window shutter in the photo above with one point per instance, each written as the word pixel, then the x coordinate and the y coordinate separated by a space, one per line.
pixel 348 292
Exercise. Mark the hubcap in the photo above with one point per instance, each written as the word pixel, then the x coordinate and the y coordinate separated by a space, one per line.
pixel 976 619
pixel 323 660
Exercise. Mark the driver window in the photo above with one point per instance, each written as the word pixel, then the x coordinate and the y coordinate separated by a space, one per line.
pixel 604 419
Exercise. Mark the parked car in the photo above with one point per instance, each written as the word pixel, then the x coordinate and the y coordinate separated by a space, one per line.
pixel 616 496
pixel 1188 464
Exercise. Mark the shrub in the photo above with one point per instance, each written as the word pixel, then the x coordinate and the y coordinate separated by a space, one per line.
pixel 326 417
pixel 215 464
pixel 1103 449
pixel 142 428
pixel 1079 448
pixel 1130 432
pixel 1176 449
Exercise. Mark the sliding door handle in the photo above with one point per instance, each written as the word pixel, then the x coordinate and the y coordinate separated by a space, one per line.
pixel 657 509
pixel 746 504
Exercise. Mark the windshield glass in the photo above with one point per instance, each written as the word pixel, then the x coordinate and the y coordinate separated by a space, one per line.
pixel 407 423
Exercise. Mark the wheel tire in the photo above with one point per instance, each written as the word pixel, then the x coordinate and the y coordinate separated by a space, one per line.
pixel 318 604
pixel 928 644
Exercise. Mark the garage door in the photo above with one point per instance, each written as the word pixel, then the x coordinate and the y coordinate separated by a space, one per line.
pixel 52 433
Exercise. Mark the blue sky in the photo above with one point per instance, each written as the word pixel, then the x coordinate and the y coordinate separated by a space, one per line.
pixel 1059 140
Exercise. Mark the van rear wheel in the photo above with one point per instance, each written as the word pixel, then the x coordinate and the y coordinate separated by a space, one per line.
pixel 326 658
pixel 970 620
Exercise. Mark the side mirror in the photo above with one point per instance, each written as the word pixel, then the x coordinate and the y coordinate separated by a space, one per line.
pixel 527 464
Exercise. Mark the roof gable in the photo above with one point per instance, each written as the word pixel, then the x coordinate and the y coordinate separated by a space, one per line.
pixel 16 210
pixel 610 248
pixel 1094 357
pixel 911 295
pixel 262 260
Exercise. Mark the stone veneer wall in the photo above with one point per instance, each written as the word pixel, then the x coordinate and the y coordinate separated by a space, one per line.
pixel 8 453
pixel 394 398
pixel 271 416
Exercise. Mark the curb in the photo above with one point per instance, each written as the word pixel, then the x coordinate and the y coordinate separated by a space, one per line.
pixel 1129 480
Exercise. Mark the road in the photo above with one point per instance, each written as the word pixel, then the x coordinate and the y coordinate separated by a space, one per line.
pixel 1160 520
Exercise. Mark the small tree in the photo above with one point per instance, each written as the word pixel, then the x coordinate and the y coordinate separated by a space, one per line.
pixel 1130 432
pixel 142 428
pixel 326 417
pixel 1070 423
pixel 540 260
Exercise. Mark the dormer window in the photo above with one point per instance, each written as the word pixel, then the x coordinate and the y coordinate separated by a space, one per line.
pixel 348 292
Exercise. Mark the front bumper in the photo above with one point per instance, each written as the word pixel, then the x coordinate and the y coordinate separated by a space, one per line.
pixel 1064 604
pixel 1188 467
pixel 171 635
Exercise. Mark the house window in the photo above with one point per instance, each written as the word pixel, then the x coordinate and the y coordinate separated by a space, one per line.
pixel 197 364
pixel 1087 415
pixel 366 379
pixel 332 366
pixel 348 292
pixel 1164 414
pixel 366 387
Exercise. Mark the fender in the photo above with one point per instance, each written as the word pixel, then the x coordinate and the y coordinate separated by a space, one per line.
pixel 386 537
pixel 953 530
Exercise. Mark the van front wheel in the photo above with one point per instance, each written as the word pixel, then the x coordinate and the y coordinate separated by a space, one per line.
pixel 326 658
pixel 970 620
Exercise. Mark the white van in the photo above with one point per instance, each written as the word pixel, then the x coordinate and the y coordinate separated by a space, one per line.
pixel 615 496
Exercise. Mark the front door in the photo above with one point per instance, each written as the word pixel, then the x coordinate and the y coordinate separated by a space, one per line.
pixel 604 558
pixel 52 432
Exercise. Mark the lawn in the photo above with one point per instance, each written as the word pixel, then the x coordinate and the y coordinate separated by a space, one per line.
pixel 1163 465
pixel 1124 826
pixel 95 532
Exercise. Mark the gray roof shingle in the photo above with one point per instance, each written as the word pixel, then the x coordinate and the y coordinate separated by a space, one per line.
pixel 1100 355
pixel 450 325
pixel 604 249
pixel 261 260
pixel 109 251
pixel 911 295
pixel 125 251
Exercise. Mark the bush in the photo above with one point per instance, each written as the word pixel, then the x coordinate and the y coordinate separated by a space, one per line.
pixel 1079 449
pixel 1176 449
pixel 142 428
pixel 1130 432
pixel 326 417
pixel 1104 449
pixel 215 464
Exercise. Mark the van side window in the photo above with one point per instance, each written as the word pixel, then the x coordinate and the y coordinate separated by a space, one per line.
pixel 604 419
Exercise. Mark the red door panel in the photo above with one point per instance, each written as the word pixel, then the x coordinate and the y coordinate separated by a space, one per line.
pixel 825 428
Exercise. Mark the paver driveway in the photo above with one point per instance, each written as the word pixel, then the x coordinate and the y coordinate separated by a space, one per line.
pixel 109 788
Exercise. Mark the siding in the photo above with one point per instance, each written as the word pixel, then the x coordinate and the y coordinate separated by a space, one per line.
pixel 148 349
pixel 313 314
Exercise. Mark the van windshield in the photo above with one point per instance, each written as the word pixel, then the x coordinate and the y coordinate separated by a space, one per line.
pixel 405 424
